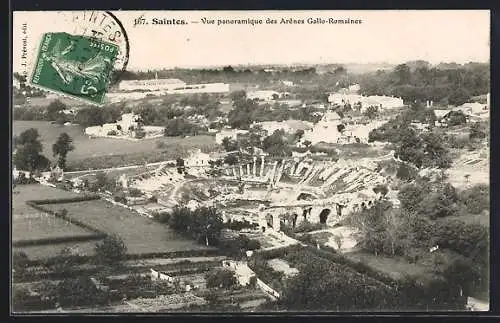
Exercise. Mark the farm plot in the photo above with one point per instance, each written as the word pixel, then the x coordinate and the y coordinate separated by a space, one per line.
pixel 140 234
pixel 110 152
pixel 45 226
pixel 48 251
pixel 23 193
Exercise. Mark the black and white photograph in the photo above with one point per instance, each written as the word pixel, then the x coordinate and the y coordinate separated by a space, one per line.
pixel 250 161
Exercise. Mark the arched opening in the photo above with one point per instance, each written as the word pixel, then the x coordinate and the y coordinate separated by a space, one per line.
pixel 363 206
pixel 323 216
pixel 294 220
pixel 304 214
pixel 339 210
pixel 269 220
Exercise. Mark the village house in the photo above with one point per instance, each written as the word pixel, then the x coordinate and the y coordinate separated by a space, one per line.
pixel 382 102
pixel 266 95
pixel 289 126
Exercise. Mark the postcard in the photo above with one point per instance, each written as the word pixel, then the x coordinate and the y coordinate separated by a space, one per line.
pixel 250 161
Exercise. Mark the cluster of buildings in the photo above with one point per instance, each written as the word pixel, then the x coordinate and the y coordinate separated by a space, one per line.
pixel 379 101
pixel 171 86
pixel 127 127
pixel 267 95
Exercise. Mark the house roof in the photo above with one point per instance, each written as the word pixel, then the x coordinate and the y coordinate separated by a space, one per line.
pixel 441 113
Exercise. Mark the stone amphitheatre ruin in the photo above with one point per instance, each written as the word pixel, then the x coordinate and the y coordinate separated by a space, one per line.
pixel 269 191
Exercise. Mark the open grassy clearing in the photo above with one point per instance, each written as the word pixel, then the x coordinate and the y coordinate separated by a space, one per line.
pixel 30 224
pixel 49 251
pixel 23 193
pixel 140 234
pixel 116 152
pixel 45 227
pixel 393 267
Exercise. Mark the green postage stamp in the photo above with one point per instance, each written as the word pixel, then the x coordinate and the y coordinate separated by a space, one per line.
pixel 77 66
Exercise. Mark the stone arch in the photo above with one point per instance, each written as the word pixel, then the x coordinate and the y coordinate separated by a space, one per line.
pixel 339 208
pixel 323 215
pixel 295 216
pixel 269 220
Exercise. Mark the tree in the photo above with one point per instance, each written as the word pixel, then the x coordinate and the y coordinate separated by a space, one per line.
pixel 456 118
pixel 371 112
pixel 476 131
pixel 79 291
pixel 54 109
pixel 28 152
pixel 410 149
pixel 476 199
pixel 435 154
pixel 61 148
pixel 230 144
pixel 324 285
pixel 179 163
pixel 221 278
pixel 92 116
pixel 148 115
pixel 276 145
pixel 203 224
pixel 111 250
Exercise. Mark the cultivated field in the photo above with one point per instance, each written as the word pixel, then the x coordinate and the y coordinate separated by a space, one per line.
pixel 23 193
pixel 48 251
pixel 115 151
pixel 140 234
pixel 44 227
pixel 30 224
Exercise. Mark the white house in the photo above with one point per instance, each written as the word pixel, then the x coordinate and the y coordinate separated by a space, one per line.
pixel 325 130
pixel 151 85
pixel 383 102
pixel 121 127
pixel 289 126
pixel 266 95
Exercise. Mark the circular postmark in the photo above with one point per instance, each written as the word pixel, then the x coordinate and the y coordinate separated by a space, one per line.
pixel 86 59
pixel 105 26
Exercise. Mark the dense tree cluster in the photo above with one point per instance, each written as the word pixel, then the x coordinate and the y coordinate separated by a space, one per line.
pixel 221 278
pixel 111 250
pixel 246 111
pixel 442 85
pixel 203 224
pixel 28 152
pixel 61 148
pixel 182 127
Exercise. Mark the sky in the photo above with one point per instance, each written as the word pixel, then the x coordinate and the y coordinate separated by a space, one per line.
pixel 383 36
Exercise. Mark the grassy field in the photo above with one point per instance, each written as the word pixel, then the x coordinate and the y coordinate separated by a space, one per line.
pixel 45 227
pixel 48 251
pixel 109 152
pixel 24 193
pixel 30 224
pixel 140 234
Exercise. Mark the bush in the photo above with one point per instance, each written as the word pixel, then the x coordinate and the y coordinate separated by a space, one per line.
pixel 111 250
pixel 476 199
pixel 221 278
pixel 162 217
pixel 134 192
